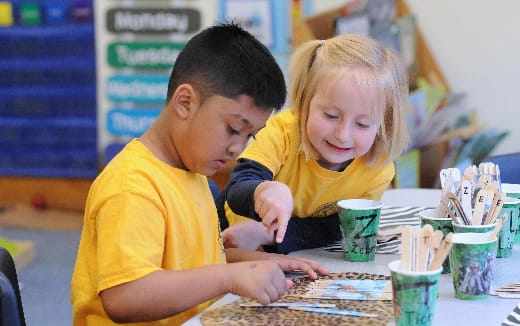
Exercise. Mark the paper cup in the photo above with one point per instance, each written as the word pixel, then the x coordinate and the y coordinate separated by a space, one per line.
pixel 444 224
pixel 513 190
pixel 506 236
pixel 414 295
pixel 359 221
pixel 462 228
pixel 472 258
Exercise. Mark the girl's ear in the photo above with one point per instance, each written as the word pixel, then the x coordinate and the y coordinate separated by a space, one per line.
pixel 184 102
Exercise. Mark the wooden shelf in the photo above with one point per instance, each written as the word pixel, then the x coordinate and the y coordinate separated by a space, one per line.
pixel 58 193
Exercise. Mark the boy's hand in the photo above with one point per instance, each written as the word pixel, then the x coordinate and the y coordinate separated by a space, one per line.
pixel 292 263
pixel 261 280
pixel 274 204
pixel 249 234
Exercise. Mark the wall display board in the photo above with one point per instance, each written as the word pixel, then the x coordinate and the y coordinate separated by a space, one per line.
pixel 47 89
pixel 270 21
pixel 137 43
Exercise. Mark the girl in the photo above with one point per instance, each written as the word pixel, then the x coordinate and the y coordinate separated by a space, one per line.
pixel 339 141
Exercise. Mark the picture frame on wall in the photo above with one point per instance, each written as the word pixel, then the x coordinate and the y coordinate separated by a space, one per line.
pixel 267 20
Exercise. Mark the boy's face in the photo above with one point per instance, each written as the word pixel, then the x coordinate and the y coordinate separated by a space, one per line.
pixel 218 132
pixel 340 127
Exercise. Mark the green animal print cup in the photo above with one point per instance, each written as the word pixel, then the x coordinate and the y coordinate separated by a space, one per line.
pixel 472 258
pixel 414 295
pixel 359 221
pixel 429 216
pixel 462 228
pixel 513 190
pixel 506 236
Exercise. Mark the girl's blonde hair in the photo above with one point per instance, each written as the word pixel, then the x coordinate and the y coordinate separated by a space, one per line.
pixel 370 65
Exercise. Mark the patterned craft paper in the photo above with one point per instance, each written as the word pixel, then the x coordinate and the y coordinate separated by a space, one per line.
pixel 347 289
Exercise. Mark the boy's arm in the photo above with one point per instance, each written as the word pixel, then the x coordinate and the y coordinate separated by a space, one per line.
pixel 164 293
pixel 286 263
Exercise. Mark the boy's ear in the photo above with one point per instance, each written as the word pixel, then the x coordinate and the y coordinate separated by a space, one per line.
pixel 184 101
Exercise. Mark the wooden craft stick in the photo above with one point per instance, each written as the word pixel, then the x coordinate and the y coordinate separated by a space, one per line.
pixel 424 246
pixel 497 228
pixel 465 195
pixel 498 208
pixel 496 198
pixel 492 186
pixel 483 181
pixel 416 248
pixel 442 253
pixel 289 304
pixel 508 290
pixel 497 171
pixel 509 295
pixel 435 243
pixel 454 218
pixel 469 174
pixel 478 210
pixel 454 200
pixel 406 247
pixel 335 311
pixel 443 207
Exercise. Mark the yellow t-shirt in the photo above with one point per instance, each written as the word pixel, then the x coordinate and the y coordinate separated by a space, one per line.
pixel 142 215
pixel 315 189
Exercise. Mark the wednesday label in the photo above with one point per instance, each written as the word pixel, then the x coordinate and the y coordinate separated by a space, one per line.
pixel 137 88
pixel 145 55
pixel 153 20
pixel 130 122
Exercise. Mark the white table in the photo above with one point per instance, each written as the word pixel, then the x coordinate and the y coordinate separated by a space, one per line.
pixel 448 310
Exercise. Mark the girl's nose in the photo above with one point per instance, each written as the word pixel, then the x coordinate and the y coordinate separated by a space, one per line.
pixel 343 132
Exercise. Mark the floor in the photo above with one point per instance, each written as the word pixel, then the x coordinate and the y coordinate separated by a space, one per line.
pixel 45 282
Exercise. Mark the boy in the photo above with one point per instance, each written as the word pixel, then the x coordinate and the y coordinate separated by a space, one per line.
pixel 151 250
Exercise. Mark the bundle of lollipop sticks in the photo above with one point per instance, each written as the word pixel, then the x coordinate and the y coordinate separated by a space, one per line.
pixel 473 198
pixel 423 249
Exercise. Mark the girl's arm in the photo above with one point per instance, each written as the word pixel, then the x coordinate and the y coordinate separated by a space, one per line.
pixel 244 179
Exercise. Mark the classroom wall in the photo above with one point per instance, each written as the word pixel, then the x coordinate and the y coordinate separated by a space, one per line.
pixel 476 46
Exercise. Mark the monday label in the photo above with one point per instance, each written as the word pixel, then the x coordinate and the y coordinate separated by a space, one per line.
pixel 145 55
pixel 137 88
pixel 153 20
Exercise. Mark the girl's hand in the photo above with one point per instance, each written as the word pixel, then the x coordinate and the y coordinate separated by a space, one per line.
pixel 274 204
pixel 248 234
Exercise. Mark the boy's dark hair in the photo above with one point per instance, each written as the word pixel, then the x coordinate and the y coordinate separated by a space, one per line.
pixel 228 61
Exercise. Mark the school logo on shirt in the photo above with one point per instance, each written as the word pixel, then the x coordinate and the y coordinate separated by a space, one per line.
pixel 326 209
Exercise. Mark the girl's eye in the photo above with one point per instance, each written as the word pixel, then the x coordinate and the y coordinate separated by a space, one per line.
pixel 362 125
pixel 330 116
pixel 233 131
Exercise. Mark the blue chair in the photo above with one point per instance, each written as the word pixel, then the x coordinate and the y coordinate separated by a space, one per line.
pixel 509 166
pixel 11 313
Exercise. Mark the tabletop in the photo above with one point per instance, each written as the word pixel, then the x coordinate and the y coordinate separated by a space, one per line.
pixel 448 310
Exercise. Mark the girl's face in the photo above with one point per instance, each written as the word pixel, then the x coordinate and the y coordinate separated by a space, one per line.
pixel 340 126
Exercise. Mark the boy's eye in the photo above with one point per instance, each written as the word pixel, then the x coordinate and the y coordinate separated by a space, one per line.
pixel 233 131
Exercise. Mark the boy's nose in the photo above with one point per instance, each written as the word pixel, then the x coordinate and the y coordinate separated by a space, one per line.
pixel 236 148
